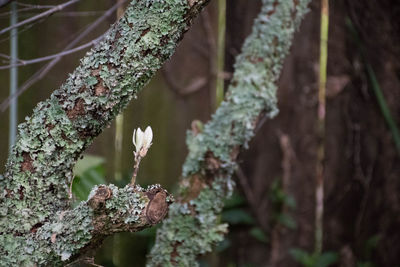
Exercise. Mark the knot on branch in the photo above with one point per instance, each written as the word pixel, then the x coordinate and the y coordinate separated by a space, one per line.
pixel 98 200
pixel 158 205
pixel 131 208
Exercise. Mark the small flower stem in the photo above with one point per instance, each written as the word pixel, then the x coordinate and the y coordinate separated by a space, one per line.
pixel 135 169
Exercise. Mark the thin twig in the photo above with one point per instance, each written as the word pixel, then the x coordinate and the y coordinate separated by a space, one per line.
pixel 24 29
pixel 219 89
pixel 4 2
pixel 277 230
pixel 246 187
pixel 78 13
pixel 319 187
pixel 46 58
pixel 8 13
pixel 59 14
pixel 45 69
pixel 35 6
pixel 181 90
pixel 254 203
pixel 39 16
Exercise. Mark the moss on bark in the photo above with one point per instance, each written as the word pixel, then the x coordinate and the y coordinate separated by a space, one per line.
pixel 35 187
pixel 192 226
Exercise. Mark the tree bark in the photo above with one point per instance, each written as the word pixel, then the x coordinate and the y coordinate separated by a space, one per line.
pixel 38 227
pixel 192 226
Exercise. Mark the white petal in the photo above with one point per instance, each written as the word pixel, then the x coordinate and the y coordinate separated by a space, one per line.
pixel 139 139
pixel 148 137
pixel 134 137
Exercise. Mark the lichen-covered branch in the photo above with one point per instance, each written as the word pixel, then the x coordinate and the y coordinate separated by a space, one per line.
pixel 74 232
pixel 34 189
pixel 192 226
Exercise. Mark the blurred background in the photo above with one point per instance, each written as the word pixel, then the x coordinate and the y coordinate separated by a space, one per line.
pixel 271 214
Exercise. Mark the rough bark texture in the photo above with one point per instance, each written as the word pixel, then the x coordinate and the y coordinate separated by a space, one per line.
pixel 192 227
pixel 34 189
pixel 362 167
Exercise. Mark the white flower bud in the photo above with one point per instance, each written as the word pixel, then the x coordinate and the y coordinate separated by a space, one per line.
pixel 142 140
pixel 137 139
pixel 148 137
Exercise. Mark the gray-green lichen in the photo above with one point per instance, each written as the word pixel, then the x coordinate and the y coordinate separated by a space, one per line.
pixel 192 226
pixel 36 184
pixel 109 209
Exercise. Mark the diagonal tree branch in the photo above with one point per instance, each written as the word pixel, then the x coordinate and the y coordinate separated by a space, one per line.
pixel 39 16
pixel 24 62
pixel 38 75
pixel 192 226
pixel 34 189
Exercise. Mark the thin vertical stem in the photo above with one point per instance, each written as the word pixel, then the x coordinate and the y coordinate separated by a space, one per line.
pixel 319 188
pixel 119 125
pixel 384 107
pixel 13 75
pixel 220 52
pixel 119 135
pixel 219 89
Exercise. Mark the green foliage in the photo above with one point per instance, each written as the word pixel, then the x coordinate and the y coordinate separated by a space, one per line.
pixel 89 172
pixel 149 236
pixel 237 216
pixel 259 234
pixel 369 247
pixel 235 201
pixel 223 245
pixel 286 220
pixel 314 260
pixel 280 199
pixel 235 213
pixel 371 244
pixel 365 264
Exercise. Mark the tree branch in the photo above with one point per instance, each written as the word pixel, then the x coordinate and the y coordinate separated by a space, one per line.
pixel 76 232
pixel 37 76
pixel 192 226
pixel 34 189
pixel 24 62
pixel 4 2
pixel 39 16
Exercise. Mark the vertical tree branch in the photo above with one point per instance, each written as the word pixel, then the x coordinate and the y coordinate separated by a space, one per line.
pixel 13 75
pixel 192 226
pixel 119 125
pixel 119 135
